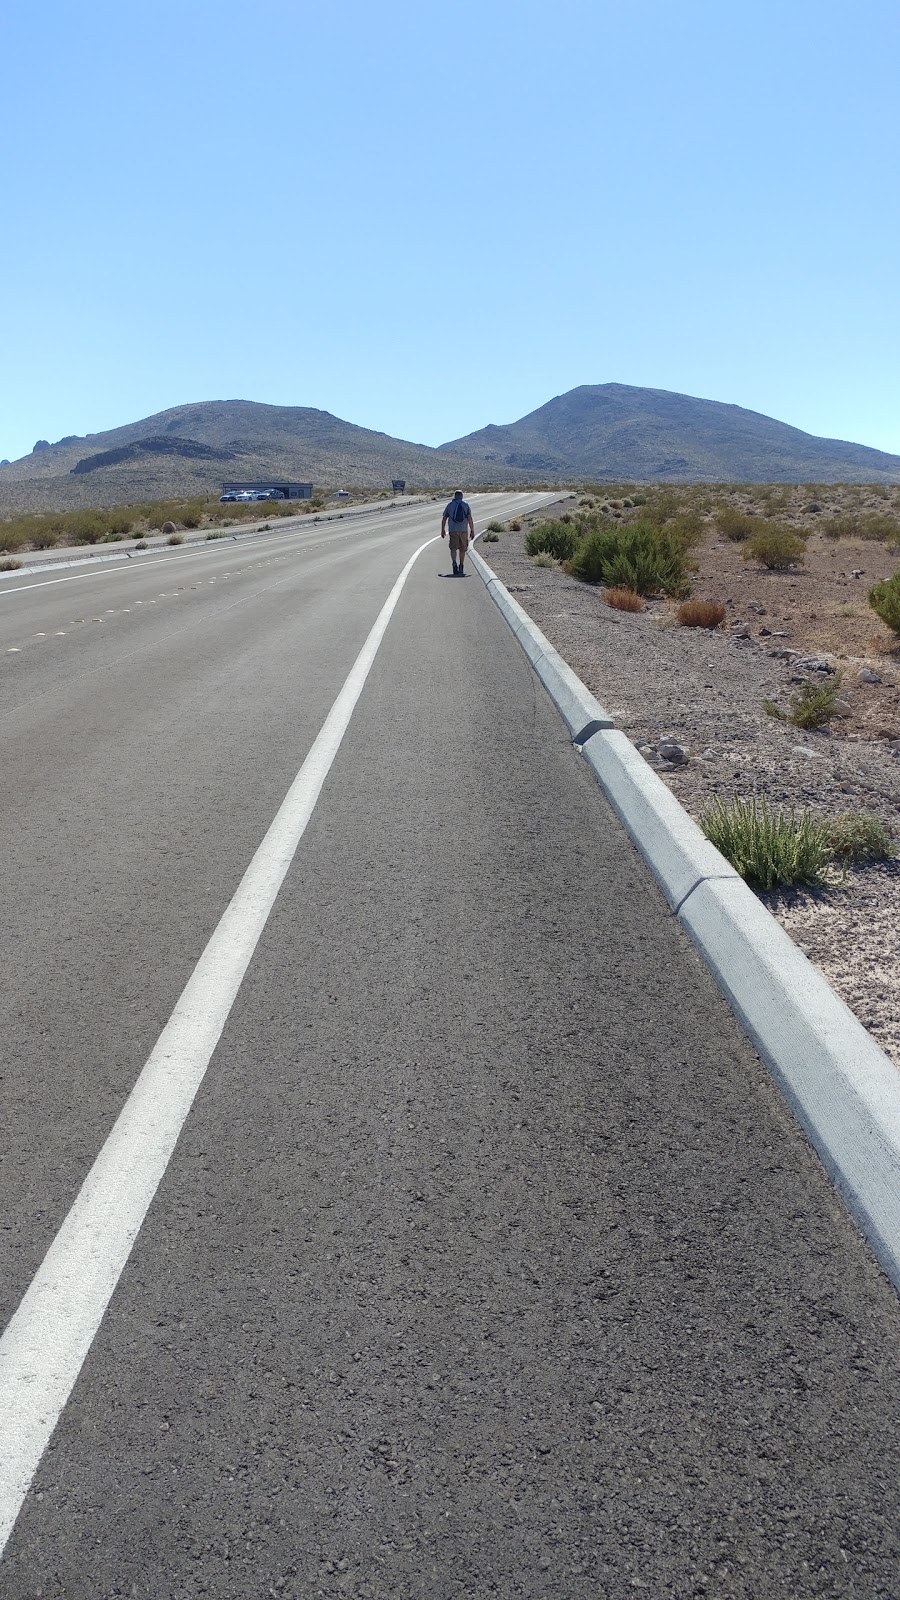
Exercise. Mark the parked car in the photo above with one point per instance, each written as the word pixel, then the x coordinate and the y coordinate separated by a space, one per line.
pixel 235 494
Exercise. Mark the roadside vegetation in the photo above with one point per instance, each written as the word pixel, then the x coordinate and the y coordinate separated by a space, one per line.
pixel 110 524
pixel 884 598
pixel 775 849
pixel 813 706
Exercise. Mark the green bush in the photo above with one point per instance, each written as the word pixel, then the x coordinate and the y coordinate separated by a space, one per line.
pixel 771 849
pixel 737 525
pixel 884 598
pixel 496 527
pixel 634 556
pixel 775 547
pixel 814 705
pixel 557 539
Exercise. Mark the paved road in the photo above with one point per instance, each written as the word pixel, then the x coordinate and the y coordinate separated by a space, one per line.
pixel 489 1261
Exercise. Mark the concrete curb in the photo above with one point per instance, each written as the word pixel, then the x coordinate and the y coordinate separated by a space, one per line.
pixel 842 1088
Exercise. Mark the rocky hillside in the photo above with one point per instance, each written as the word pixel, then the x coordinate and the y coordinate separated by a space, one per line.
pixel 606 431
pixel 616 432
pixel 190 449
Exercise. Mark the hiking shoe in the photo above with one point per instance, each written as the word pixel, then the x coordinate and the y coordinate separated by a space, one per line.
pixel 455 569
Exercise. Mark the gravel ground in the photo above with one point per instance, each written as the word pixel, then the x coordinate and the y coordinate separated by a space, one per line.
pixel 707 690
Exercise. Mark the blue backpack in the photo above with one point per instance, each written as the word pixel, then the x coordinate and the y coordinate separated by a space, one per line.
pixel 460 513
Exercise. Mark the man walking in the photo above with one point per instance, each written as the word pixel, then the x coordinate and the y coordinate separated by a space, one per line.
pixel 458 516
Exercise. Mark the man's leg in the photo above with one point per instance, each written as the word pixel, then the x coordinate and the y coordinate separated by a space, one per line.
pixel 461 553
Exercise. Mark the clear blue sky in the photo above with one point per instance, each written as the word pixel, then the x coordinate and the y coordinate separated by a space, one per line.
pixel 427 217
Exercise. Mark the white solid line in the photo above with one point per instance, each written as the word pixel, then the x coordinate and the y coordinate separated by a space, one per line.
pixel 48 1338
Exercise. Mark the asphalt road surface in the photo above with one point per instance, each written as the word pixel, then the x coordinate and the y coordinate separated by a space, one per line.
pixel 488 1262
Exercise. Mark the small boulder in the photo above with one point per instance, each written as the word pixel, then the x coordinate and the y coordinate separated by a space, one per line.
pixel 167 527
pixel 741 630
pixel 815 664
pixel 673 752
pixel 868 676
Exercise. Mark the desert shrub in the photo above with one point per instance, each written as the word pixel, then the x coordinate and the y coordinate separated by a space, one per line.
pixel 881 526
pixel 858 836
pixel 623 599
pixel 557 539
pixel 884 598
pixel 14 534
pixel 516 525
pixel 494 526
pixel 215 533
pixel 775 547
pixel 737 525
pixel 490 538
pixel 86 527
pixel 839 527
pixel 544 559
pixel 771 849
pixel 47 533
pixel 192 515
pixel 175 538
pixel 701 614
pixel 635 556
pixel 687 528
pixel 9 564
pixel 814 705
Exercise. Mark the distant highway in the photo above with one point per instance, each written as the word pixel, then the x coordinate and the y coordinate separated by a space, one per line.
pixel 455 1242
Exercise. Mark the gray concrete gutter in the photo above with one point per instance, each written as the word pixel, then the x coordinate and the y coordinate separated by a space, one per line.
pixel 842 1088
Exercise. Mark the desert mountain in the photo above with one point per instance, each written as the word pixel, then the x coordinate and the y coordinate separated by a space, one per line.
pixel 614 431
pixel 190 449
pixel 606 431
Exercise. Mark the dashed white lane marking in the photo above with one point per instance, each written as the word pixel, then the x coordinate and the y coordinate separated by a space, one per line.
pixel 45 1344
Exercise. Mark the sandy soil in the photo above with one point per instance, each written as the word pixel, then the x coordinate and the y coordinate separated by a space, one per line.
pixel 707 689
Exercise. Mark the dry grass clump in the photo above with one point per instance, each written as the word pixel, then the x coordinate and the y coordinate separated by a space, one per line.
pixel 860 837
pixel 623 599
pixel 701 614
pixel 9 564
